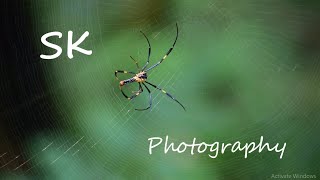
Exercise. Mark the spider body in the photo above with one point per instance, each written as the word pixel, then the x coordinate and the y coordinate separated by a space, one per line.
pixel 141 76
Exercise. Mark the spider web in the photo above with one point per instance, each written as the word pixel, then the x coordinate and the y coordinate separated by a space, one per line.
pixel 100 134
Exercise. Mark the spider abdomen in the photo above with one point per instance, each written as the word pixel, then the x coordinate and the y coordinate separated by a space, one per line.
pixel 124 82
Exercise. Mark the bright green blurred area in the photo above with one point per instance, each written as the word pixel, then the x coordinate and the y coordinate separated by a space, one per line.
pixel 242 69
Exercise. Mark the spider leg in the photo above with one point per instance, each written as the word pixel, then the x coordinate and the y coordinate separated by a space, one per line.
pixel 133 96
pixel 149 52
pixel 150 99
pixel 135 62
pixel 166 94
pixel 124 72
pixel 167 54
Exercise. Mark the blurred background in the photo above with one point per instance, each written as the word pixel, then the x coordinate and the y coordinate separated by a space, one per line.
pixel 242 69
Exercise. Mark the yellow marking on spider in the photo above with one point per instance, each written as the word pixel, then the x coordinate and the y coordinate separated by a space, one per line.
pixel 129 98
pixel 137 94
pixel 164 91
pixel 125 71
pixel 165 56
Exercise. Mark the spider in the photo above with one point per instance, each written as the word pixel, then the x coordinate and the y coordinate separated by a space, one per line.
pixel 141 76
